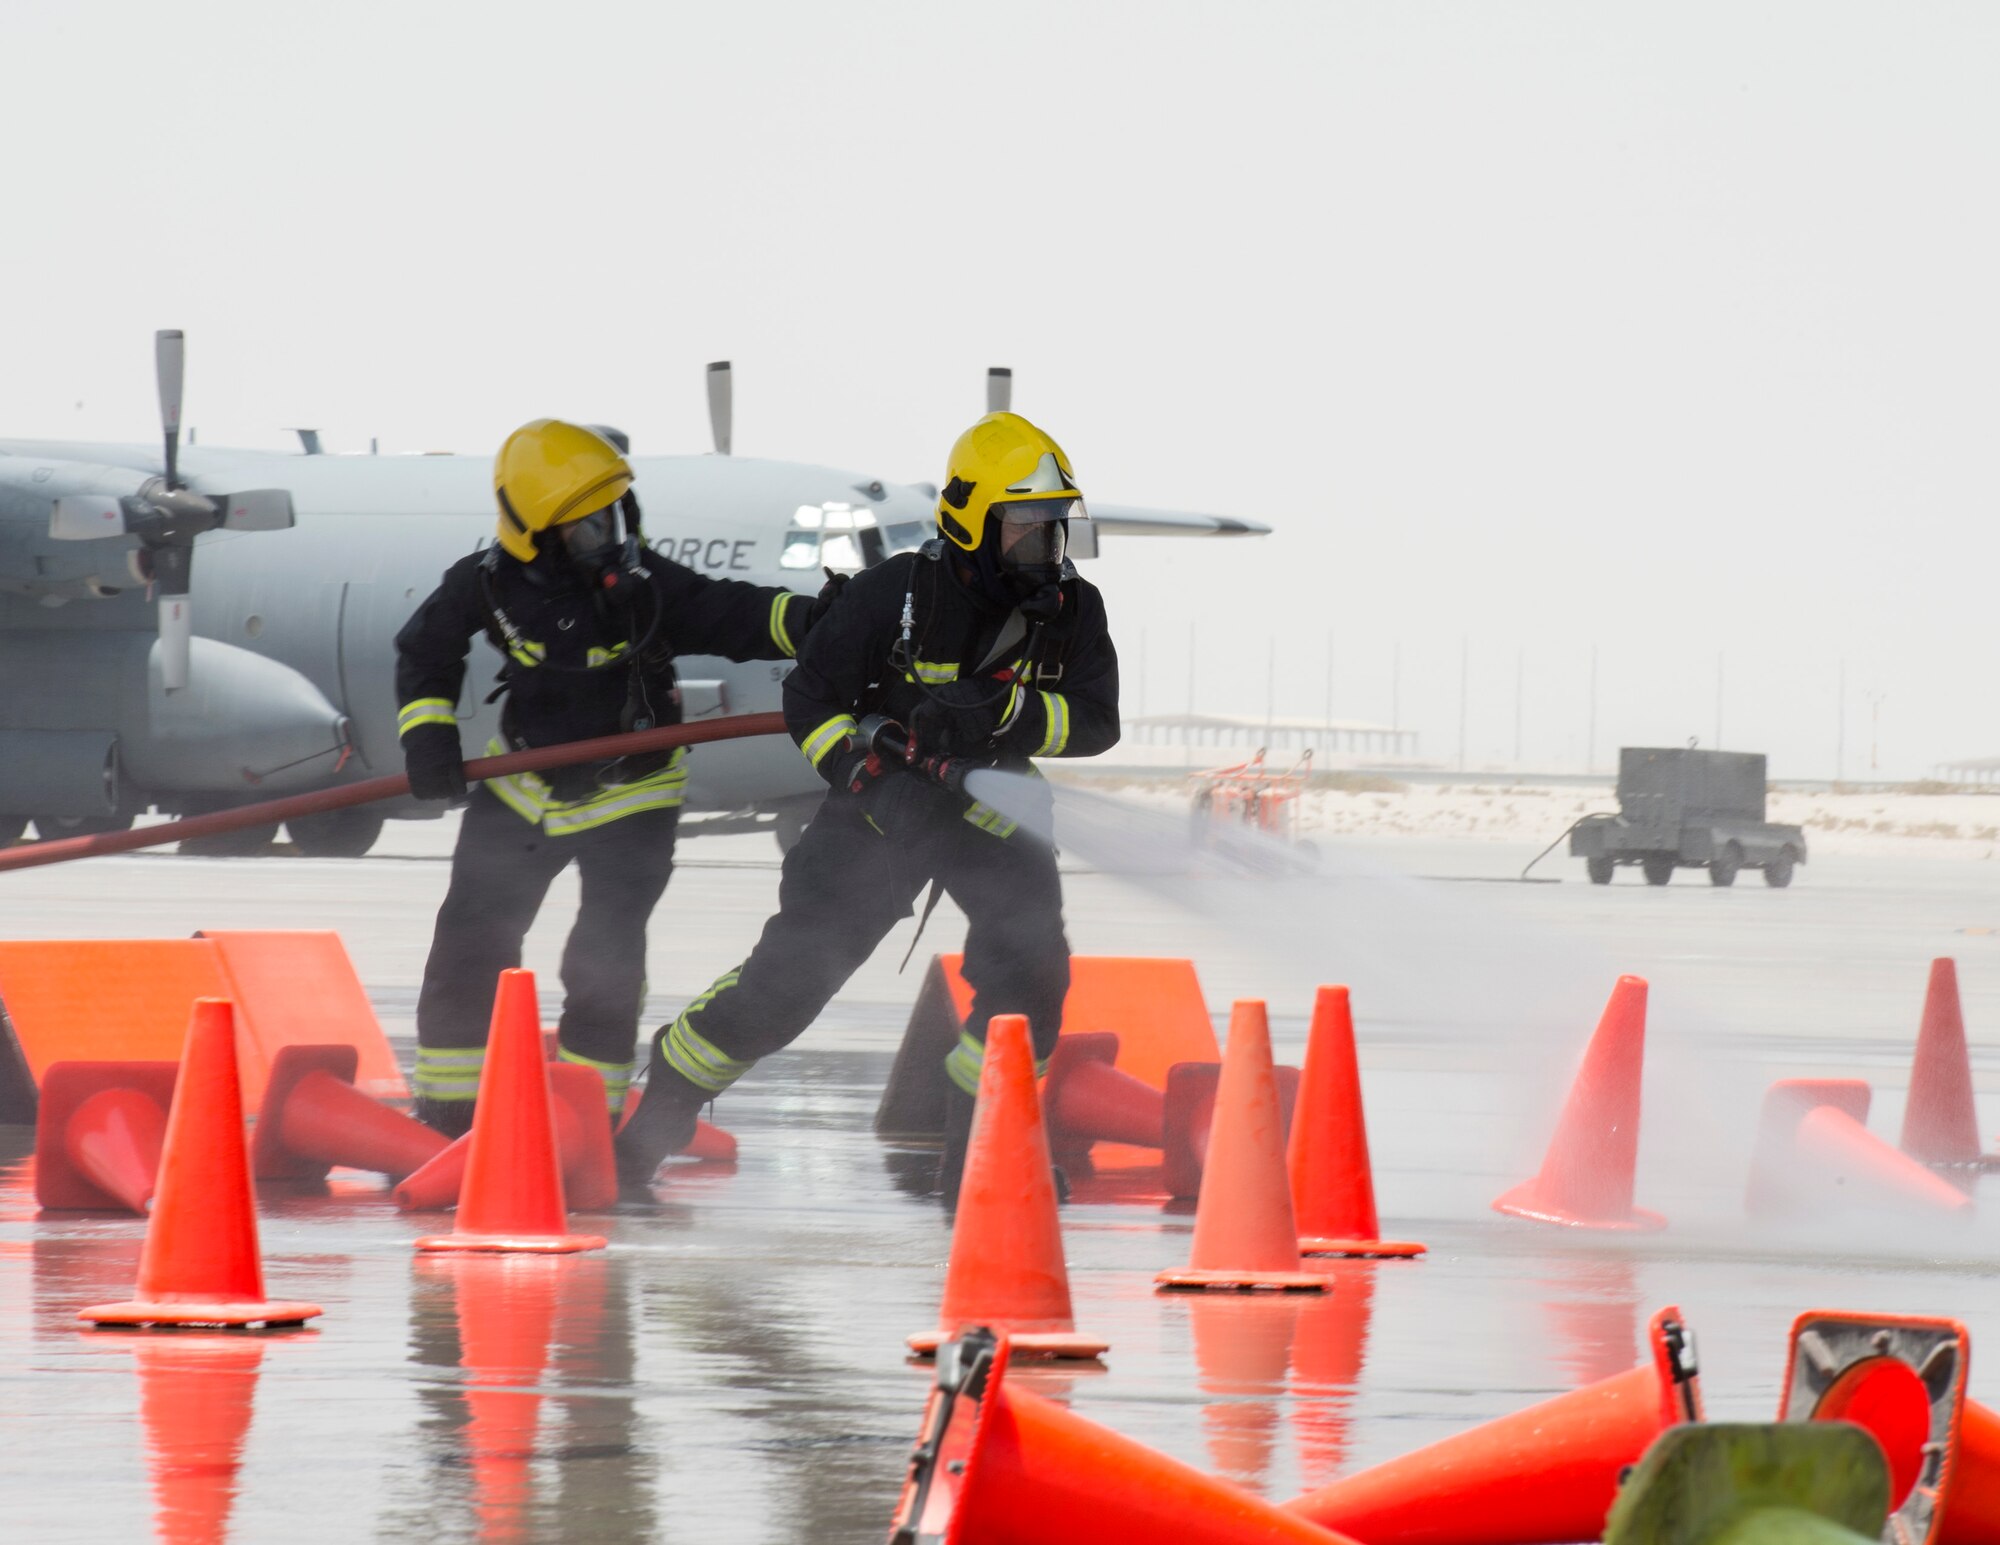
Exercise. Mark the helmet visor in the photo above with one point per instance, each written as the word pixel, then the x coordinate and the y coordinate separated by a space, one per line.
pixel 593 535
pixel 1039 546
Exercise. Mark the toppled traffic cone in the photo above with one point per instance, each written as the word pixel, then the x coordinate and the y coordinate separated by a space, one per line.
pixel 1545 1474
pixel 1245 1236
pixel 512 1198
pixel 1000 1466
pixel 1940 1122
pixel 314 1118
pixel 1007 1266
pixel 1190 1118
pixel 195 1401
pixel 1333 1183
pixel 99 1131
pixel 200 1264
pixel 1814 1153
pixel 1087 1100
pixel 583 1139
pixel 1903 1378
pixel 1586 1178
pixel 1243 1359
pixel 1744 1482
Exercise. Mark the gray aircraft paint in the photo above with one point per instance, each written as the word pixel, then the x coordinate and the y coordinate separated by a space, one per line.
pixel 294 629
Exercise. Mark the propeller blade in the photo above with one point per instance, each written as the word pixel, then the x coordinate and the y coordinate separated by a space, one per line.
pixel 999 389
pixel 176 632
pixel 86 517
pixel 258 509
pixel 719 404
pixel 170 362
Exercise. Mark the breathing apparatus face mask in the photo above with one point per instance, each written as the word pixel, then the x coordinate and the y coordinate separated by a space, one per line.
pixel 1033 536
pixel 592 543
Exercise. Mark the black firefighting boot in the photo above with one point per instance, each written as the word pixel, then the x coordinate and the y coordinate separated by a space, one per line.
pixel 958 1108
pixel 451 1117
pixel 660 1127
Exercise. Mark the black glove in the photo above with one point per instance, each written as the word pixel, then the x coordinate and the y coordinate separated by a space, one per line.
pixel 902 803
pixel 822 603
pixel 960 718
pixel 893 799
pixel 436 766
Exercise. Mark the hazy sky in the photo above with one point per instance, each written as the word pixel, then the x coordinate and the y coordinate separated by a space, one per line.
pixel 1670 330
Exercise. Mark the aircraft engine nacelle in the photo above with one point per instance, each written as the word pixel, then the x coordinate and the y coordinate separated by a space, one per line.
pixel 72 701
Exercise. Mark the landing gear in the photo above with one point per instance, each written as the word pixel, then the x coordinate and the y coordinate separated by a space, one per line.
pixel 50 827
pixel 348 833
pixel 249 842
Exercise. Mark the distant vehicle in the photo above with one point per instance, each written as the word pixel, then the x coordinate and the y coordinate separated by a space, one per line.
pixel 1680 808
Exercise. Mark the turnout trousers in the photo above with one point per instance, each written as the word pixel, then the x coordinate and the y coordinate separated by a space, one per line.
pixel 844 887
pixel 500 871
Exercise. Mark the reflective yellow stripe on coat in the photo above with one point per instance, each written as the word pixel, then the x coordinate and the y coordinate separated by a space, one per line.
pixel 528 796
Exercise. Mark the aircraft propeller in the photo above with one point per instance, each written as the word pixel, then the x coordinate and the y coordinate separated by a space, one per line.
pixel 166 516
pixel 719 395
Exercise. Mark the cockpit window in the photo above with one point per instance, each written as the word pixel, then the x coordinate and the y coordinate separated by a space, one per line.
pixel 845 539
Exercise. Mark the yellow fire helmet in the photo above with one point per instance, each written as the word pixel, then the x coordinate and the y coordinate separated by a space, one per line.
pixel 1004 468
pixel 550 473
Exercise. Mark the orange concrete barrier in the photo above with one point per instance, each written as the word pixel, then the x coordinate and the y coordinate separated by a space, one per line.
pixel 106 1000
pixel 1154 1006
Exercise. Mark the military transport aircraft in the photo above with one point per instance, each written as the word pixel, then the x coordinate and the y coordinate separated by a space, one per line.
pixel 133 677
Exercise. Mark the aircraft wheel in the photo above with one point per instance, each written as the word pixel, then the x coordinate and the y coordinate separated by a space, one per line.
pixel 1659 868
pixel 51 827
pixel 1599 870
pixel 793 818
pixel 248 842
pixel 1778 873
pixel 348 833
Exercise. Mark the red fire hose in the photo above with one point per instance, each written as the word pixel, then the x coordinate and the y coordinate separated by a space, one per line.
pixel 272 811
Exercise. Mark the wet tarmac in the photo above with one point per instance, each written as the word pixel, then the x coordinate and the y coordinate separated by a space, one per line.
pixel 732 1369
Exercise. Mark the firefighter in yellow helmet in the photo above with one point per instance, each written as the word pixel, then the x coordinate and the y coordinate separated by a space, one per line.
pixel 586 621
pixel 987 646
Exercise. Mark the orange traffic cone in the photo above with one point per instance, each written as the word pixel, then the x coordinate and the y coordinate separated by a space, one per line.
pixel 314 1118
pixel 195 1400
pixel 999 1466
pixel 1333 1184
pixel 1587 1175
pixel 200 1265
pixel 1245 1236
pixel 1547 1473
pixel 1940 1122
pixel 1189 1118
pixel 1086 1098
pixel 512 1198
pixel 1903 1378
pixel 1243 1356
pixel 1007 1266
pixel 99 1131
pixel 1327 1358
pixel 1814 1153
